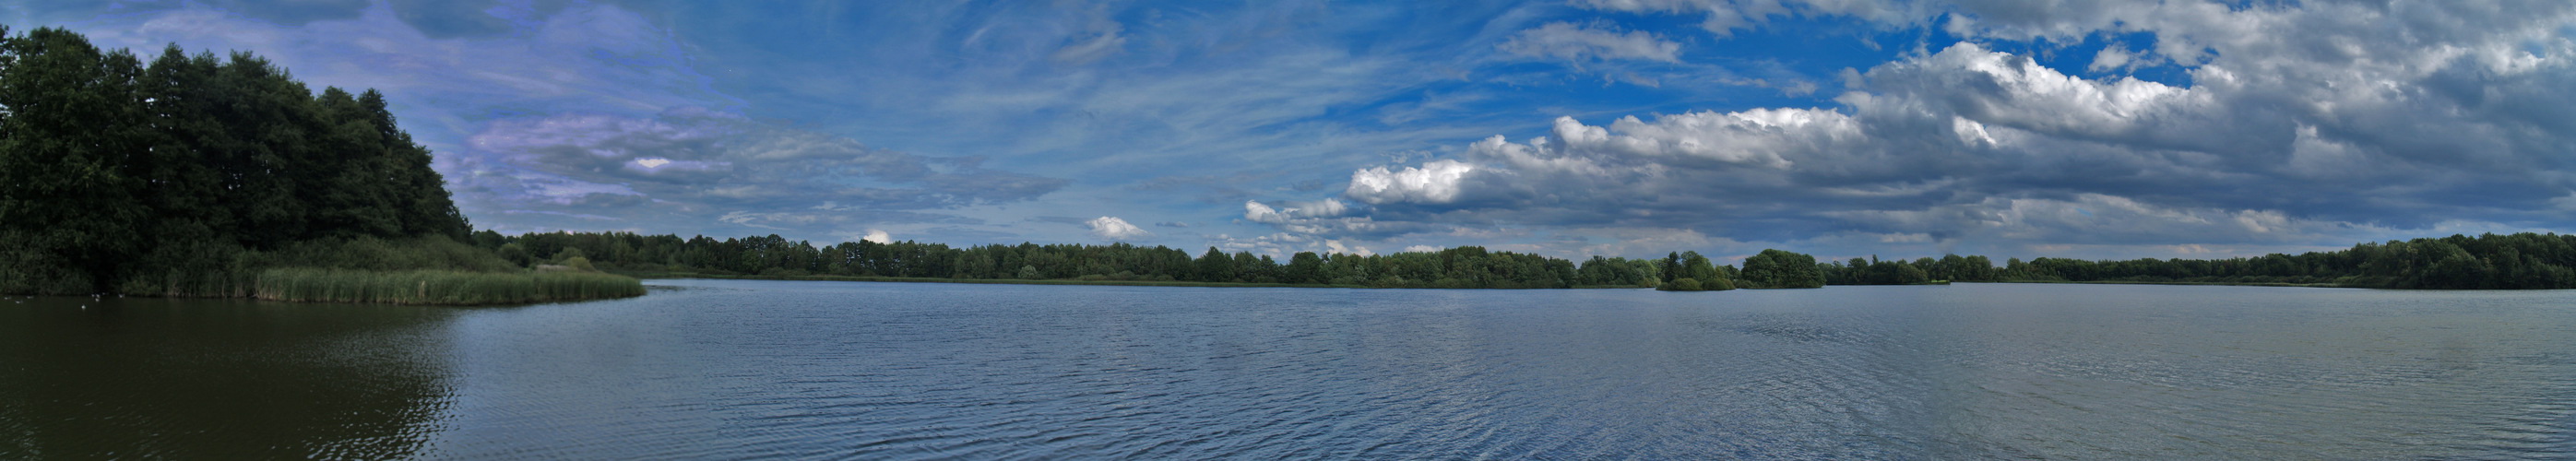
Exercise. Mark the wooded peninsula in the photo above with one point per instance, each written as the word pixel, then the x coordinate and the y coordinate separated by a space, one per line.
pixel 198 176
pixel 204 177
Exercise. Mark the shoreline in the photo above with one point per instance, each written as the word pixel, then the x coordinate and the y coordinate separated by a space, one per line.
pixel 2236 284
pixel 1183 283
pixel 1142 283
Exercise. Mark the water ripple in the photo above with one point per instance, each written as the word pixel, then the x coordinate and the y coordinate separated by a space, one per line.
pixel 749 369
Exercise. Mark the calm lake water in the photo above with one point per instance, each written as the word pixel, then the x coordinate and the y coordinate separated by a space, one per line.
pixel 736 369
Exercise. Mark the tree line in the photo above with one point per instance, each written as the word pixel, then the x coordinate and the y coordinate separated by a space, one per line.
pixel 1458 267
pixel 1441 268
pixel 118 175
pixel 771 255
pixel 2487 261
pixel 2456 262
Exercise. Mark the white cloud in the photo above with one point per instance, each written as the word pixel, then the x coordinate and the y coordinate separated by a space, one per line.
pixel 1580 44
pixel 2301 124
pixel 1434 182
pixel 2111 58
pixel 1723 17
pixel 1112 228
pixel 1284 244
pixel 2098 218
pixel 876 235
pixel 1255 211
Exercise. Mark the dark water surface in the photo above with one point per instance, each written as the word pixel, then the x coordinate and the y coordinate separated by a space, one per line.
pixel 735 369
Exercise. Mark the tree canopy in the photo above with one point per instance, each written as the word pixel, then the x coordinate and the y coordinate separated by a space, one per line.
pixel 114 171
pixel 1780 269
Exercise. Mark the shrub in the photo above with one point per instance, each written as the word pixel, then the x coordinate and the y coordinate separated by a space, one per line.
pixel 1681 284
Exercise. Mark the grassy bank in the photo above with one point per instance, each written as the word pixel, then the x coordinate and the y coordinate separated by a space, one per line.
pixel 440 287
pixel 430 270
pixel 422 270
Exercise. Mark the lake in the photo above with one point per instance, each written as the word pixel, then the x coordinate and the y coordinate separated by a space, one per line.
pixel 737 369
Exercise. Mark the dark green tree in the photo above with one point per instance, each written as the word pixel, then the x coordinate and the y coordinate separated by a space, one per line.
pixel 1780 269
pixel 1305 267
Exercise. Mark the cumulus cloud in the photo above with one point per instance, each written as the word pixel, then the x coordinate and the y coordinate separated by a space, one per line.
pixel 2113 57
pixel 1434 182
pixel 1581 44
pixel 2300 124
pixel 1112 228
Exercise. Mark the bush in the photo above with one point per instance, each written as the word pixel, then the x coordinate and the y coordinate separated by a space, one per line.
pixel 375 254
pixel 580 264
pixel 515 254
pixel 1681 284
pixel 1719 283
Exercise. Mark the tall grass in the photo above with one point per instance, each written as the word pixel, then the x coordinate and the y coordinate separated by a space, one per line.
pixel 445 287
pixel 420 270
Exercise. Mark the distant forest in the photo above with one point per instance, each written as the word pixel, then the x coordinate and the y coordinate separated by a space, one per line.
pixel 2489 261
pixel 1460 267
pixel 2518 261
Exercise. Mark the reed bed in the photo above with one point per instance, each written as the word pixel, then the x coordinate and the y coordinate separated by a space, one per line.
pixel 440 287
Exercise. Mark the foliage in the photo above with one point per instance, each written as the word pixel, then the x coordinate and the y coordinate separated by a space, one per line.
pixel 116 175
pixel 1461 267
pixel 1681 284
pixel 2489 261
pixel 1780 269
pixel 195 176
pixel 1898 272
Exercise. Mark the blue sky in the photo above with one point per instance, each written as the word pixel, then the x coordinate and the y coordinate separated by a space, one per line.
pixel 2112 129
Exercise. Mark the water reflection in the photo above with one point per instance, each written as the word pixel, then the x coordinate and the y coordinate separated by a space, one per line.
pixel 217 379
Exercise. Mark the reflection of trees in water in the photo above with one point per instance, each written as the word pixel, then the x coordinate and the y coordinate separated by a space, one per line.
pixel 199 379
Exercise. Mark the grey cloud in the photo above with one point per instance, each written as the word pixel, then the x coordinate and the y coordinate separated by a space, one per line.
pixel 723 169
pixel 697 154
pixel 1581 44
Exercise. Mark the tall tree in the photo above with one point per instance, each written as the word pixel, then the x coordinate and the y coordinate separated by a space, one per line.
pixel 70 147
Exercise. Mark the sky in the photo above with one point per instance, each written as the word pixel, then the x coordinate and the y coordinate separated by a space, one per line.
pixel 1840 128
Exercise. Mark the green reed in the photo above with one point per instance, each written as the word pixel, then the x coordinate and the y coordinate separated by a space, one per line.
pixel 441 287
